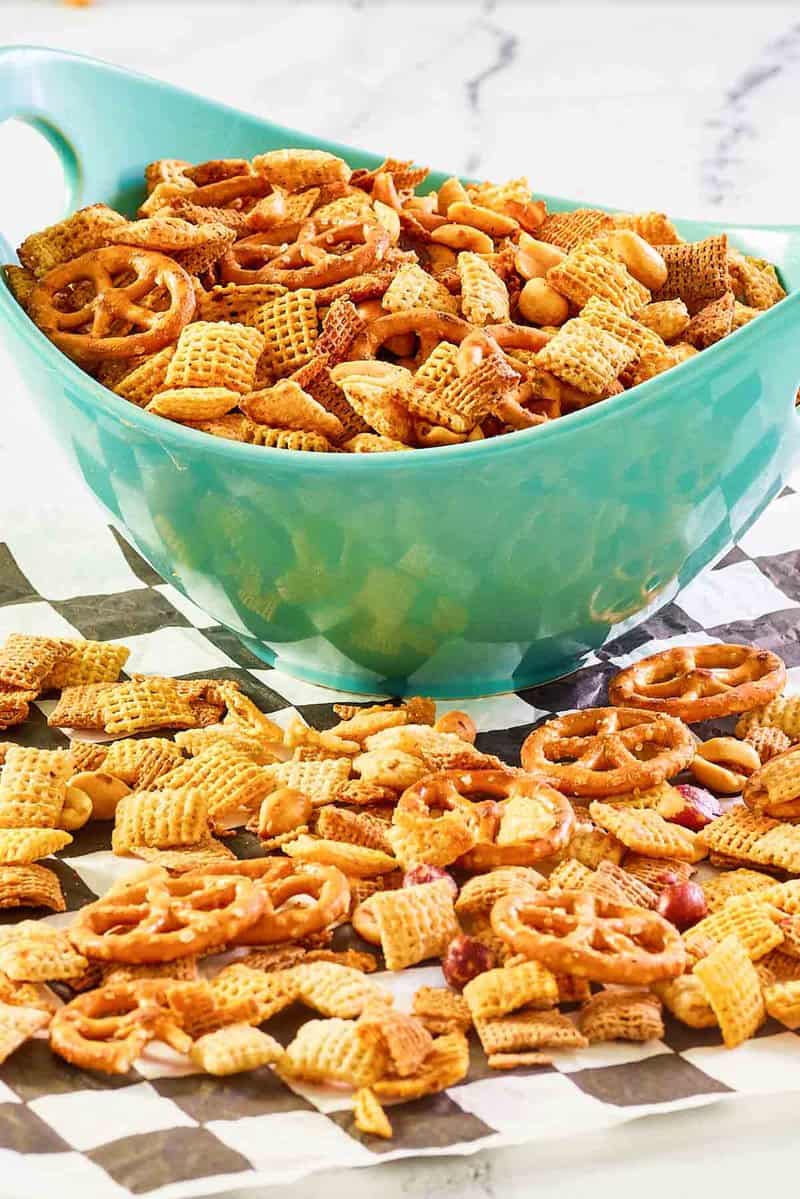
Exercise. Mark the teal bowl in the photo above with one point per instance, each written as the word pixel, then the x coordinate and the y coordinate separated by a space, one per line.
pixel 461 571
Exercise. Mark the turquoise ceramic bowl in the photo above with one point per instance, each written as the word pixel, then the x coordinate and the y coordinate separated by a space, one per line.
pixel 458 571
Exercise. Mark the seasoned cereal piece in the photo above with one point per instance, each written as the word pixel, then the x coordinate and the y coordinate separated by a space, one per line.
pixel 87 229
pixel 287 406
pixel 160 819
pixel 147 378
pixel 568 229
pixel 286 439
pixel 467 399
pixel 414 923
pixel 36 952
pixel 441 1010
pixel 686 999
pixel 33 787
pixel 234 1049
pixel 89 662
pixel 405 1039
pixel 30 887
pixel 782 1001
pixel 21 283
pixel 337 824
pixel 733 990
pixel 128 758
pixel 330 1051
pixel 336 990
pixel 320 781
pixel 587 272
pixel 354 860
pixel 736 832
pixel 498 992
pixel 711 323
pixel 782 713
pixel 645 832
pixel 585 356
pixel 528 1030
pixel 630 332
pixel 697 272
pixel 18 1025
pixel 369 1116
pixel 289 325
pixel 26 661
pixel 433 840
pixel 228 779
pixel 215 354
pixel 19 846
pixel 144 704
pixel 297 169
pixel 193 403
pixel 446 1064
pixel 80 707
pixel 484 295
pixel 722 887
pixel 666 318
pixel 622 1016
pixel 412 287
pixel 654 227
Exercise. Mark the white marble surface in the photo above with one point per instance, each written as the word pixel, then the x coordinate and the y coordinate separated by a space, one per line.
pixel 685 107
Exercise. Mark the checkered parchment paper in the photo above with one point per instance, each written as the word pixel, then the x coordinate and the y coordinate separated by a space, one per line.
pixel 166 1130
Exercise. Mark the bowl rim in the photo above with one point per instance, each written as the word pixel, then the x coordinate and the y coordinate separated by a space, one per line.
pixel 178 436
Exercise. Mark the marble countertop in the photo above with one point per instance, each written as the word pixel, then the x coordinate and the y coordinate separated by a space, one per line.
pixel 686 107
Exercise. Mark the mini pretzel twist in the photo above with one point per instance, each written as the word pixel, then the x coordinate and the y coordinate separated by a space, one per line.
pixel 700 682
pixel 101 327
pixel 106 1029
pixel 310 261
pixel 578 933
pixel 607 751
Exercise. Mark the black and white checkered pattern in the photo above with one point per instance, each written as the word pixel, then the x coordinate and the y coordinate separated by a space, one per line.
pixel 170 1131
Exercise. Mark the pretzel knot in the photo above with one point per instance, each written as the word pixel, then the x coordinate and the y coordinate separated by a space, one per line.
pixel 429 324
pixel 520 820
pixel 575 932
pixel 298 899
pixel 607 751
pixel 159 919
pixel 701 682
pixel 313 260
pixel 90 305
pixel 108 1028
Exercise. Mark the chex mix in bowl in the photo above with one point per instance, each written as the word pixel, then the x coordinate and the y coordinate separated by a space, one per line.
pixel 289 301
pixel 569 899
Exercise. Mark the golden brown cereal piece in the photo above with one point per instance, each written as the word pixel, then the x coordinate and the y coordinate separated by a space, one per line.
pixel 782 713
pixel 622 1016
pixel 146 379
pixel 239 987
pixel 14 706
pixel 782 1001
pixel 645 832
pixel 234 1049
pixel 484 295
pixel 33 787
pixel 316 380
pixel 126 759
pixel 30 887
pixel 365 724
pixel 35 952
pixel 393 768
pixel 369 1116
pixel 166 233
pixel 529 1030
pixel 166 170
pixel 87 755
pixel 768 742
pixel 686 999
pixel 736 832
pixel 193 403
pixel 591 846
pixel 208 852
pixel 160 819
pixel 289 325
pixel 666 318
pixel 358 828
pixel 336 990
pixel 697 272
pixel 182 970
pixel 587 272
pixel 87 229
pixel 20 846
pixel 441 1010
pixel 354 860
pixel 498 992
pixel 512 1061
pixel 464 402
pixel 383 407
pixel 228 779
pixel 569 229
pixel 142 704
pixel 235 302
pixel 446 1064
pixel 777 966
pixel 373 443
pixel 341 326
pixel 244 716
pixel 194 741
pixel 320 781
pixel 26 661
pixel 284 439
pixel 330 1051
pixel 34 995
pixel 585 356
pixel 412 287
pixel 215 354
pixel 406 1041
pixel 722 887
pixel 18 1025
pixel 89 662
pixel 772 790
pixel 615 884
pixel 733 990
pixel 711 323
pixel 21 283
pixel 434 840
pixel 80 707
pixel 630 332
pixel 755 282
pixel 570 875
pixel 298 169
pixel 414 923
pixel 287 406
pixel 654 227
pixel 779 847
pixel 479 894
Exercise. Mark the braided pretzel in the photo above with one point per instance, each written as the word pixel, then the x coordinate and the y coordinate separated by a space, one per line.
pixel 576 932
pixel 606 751
pixel 299 899
pixel 108 1028
pixel 100 329
pixel 324 267
pixel 159 919
pixel 701 682
pixel 450 788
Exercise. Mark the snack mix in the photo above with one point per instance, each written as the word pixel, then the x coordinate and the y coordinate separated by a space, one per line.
pixel 559 898
pixel 293 302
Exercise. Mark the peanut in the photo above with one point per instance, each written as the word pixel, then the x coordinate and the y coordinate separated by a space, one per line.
pixel 452 191
pixel 534 258
pixel 541 304
pixel 496 224
pixel 462 237
pixel 642 260
pixel 104 790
